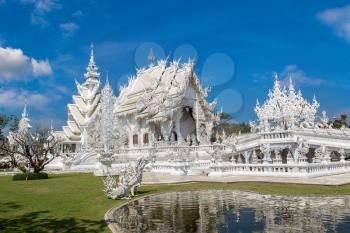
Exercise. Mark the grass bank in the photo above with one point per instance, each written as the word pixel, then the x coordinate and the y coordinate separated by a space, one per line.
pixel 76 203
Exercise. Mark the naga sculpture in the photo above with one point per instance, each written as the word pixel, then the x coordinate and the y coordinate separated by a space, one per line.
pixel 130 179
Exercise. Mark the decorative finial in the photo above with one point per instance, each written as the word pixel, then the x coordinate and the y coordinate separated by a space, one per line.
pixel 92 51
pixel 277 82
pixel 91 69
pixel 291 84
pixel 107 78
pixel 151 57
pixel 51 126
pixel 24 113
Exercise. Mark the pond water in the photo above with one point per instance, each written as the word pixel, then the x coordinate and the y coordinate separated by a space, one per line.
pixel 232 211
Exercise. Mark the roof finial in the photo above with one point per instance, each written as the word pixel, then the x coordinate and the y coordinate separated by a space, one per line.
pixel 151 57
pixel 92 51
pixel 24 113
pixel 107 79
pixel 91 69
pixel 51 127
pixel 291 84
pixel 277 82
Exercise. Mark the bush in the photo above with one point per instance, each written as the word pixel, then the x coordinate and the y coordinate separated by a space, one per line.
pixel 31 176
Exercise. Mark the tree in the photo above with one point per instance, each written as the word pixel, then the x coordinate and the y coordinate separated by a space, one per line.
pixel 3 123
pixel 28 150
pixel 341 122
pixel 229 127
pixel 9 123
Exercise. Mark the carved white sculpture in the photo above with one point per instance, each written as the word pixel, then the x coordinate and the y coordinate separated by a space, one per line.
pixel 286 109
pixel 129 179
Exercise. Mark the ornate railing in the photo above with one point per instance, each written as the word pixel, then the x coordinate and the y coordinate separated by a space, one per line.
pixel 280 169
pixel 277 135
pixel 170 148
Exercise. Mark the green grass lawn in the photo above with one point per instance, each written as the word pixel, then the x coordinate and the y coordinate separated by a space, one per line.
pixel 76 203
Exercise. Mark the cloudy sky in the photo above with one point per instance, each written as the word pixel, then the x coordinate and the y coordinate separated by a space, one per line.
pixel 238 46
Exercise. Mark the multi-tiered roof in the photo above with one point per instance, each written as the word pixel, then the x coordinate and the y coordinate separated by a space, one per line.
pixel 85 105
pixel 157 91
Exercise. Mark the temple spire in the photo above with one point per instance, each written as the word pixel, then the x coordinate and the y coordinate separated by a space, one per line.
pixel 51 127
pixel 92 52
pixel 24 123
pixel 107 79
pixel 91 69
pixel 291 84
pixel 151 57
pixel 276 84
pixel 25 113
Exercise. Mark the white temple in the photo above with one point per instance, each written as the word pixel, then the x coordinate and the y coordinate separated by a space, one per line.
pixel 163 113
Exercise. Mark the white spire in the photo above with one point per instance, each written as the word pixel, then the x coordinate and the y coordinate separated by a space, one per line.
pixel 291 84
pixel 51 127
pixel 92 70
pixel 25 113
pixel 276 84
pixel 24 125
pixel 92 52
pixel 151 57
pixel 107 79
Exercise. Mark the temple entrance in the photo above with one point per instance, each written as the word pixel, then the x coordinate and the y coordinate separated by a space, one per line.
pixel 173 136
pixel 187 123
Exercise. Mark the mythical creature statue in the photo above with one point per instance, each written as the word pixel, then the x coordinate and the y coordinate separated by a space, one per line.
pixel 136 174
pixel 129 179
pixel 116 193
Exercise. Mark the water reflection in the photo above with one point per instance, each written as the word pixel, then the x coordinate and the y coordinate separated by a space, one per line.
pixel 233 211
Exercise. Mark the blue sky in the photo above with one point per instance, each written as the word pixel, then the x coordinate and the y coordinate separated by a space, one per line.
pixel 238 46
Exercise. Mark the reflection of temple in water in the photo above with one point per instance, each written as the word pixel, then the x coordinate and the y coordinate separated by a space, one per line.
pixel 232 211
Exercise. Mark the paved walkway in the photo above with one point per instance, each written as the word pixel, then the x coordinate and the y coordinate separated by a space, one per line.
pixel 153 178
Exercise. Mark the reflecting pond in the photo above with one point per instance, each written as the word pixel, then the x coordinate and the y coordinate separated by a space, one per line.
pixel 232 211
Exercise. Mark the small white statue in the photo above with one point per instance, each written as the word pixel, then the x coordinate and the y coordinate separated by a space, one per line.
pixel 130 179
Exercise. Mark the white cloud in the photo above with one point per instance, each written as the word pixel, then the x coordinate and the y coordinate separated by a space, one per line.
pixel 338 19
pixel 298 76
pixel 38 104
pixel 78 13
pixel 69 28
pixel 290 71
pixel 15 65
pixel 41 8
pixel 14 98
pixel 41 68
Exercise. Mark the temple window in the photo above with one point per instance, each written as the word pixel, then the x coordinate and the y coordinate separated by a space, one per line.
pixel 145 138
pixel 135 139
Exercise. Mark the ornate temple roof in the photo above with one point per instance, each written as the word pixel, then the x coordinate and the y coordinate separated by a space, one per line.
pixel 158 90
pixel 86 104
pixel 285 108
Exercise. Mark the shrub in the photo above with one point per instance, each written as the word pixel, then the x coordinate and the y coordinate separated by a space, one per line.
pixel 31 176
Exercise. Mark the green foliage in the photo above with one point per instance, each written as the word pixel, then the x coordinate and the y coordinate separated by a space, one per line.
pixel 229 127
pixel 342 121
pixel 30 176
